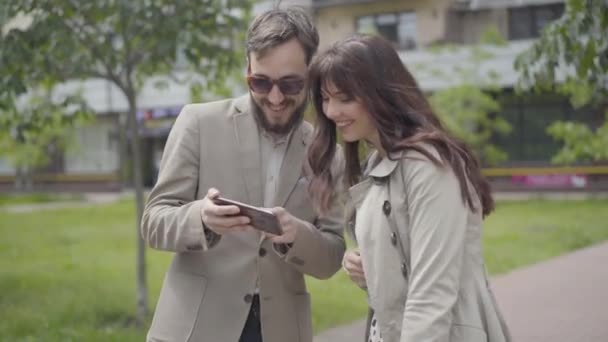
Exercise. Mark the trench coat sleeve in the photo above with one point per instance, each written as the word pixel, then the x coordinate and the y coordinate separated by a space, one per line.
pixel 437 231
pixel 172 217
pixel 318 248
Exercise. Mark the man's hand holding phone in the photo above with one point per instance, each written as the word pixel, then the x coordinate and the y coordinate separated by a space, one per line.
pixel 223 215
pixel 288 224
pixel 222 219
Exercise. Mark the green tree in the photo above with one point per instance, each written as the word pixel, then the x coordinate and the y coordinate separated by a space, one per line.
pixel 126 43
pixel 571 57
pixel 468 106
pixel 29 133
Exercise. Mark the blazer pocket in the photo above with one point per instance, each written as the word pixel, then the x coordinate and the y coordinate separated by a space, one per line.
pixel 467 333
pixel 178 306
pixel 303 315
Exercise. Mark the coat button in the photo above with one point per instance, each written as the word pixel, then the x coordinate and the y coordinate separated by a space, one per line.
pixel 394 239
pixel 386 208
pixel 404 269
pixel 248 298
pixel 262 252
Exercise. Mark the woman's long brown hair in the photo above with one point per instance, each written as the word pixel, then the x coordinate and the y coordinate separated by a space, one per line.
pixel 368 68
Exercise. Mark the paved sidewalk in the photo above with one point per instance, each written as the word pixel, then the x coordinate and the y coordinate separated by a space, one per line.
pixel 560 300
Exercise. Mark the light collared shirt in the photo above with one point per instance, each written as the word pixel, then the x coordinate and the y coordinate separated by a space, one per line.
pixel 273 152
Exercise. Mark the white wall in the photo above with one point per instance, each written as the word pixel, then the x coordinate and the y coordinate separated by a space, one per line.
pixel 6 168
pixel 95 149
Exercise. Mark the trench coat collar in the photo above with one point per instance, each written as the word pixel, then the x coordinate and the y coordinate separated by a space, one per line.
pixel 377 173
pixel 386 166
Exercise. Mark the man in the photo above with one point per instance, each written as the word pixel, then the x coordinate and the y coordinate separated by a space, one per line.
pixel 228 281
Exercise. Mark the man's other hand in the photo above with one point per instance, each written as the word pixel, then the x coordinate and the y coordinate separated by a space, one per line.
pixel 289 224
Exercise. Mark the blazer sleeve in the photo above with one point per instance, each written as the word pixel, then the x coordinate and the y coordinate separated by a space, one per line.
pixel 171 219
pixel 437 231
pixel 318 248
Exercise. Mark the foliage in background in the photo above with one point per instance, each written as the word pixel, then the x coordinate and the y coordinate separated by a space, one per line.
pixel 30 134
pixel 467 106
pixel 572 56
pixel 127 43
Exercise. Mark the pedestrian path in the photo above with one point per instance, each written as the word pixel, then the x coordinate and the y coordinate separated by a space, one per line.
pixel 564 299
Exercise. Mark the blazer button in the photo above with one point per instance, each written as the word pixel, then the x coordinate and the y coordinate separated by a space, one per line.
pixel 248 298
pixel 404 269
pixel 386 208
pixel 262 252
pixel 394 239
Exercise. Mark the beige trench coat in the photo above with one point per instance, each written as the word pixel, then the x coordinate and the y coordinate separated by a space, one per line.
pixel 446 296
pixel 208 288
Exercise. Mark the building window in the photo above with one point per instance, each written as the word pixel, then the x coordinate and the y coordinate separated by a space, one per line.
pixel 529 22
pixel 399 28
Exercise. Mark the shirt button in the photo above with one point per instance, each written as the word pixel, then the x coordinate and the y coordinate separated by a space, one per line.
pixel 404 269
pixel 262 252
pixel 248 298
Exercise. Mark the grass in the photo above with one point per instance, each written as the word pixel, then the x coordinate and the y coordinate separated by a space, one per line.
pixel 68 275
pixel 34 198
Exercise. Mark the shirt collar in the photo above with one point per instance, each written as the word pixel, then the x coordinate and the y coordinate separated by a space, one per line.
pixel 276 140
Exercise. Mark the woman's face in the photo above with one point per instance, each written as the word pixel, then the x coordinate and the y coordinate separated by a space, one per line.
pixel 351 117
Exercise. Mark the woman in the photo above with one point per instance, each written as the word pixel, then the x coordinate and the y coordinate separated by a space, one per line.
pixel 419 200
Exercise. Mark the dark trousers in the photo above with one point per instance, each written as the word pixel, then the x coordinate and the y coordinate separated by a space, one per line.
pixel 252 331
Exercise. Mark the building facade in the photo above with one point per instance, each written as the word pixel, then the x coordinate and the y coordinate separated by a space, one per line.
pixel 100 160
pixel 417 27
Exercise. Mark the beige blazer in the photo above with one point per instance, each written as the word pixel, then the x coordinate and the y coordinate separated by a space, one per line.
pixel 446 295
pixel 207 290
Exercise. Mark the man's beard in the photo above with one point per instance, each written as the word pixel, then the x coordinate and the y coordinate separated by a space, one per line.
pixel 280 129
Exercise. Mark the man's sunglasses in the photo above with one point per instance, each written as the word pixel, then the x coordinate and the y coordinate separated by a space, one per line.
pixel 263 85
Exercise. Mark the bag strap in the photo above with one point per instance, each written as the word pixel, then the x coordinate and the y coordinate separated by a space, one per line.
pixel 395 236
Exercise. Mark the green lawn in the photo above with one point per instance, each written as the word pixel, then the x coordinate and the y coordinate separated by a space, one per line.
pixel 31 198
pixel 68 275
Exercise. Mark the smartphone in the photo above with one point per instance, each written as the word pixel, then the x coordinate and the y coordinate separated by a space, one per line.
pixel 261 219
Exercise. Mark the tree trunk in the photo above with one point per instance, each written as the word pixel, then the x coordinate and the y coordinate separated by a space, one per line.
pixel 24 178
pixel 125 172
pixel 19 179
pixel 29 179
pixel 142 291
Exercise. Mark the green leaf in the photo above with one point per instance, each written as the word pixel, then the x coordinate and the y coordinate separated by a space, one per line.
pixel 587 60
pixel 576 5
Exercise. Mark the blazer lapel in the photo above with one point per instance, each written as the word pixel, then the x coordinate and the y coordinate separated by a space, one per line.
pixel 247 135
pixel 291 168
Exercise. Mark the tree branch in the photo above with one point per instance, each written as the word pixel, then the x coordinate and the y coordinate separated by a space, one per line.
pixel 89 25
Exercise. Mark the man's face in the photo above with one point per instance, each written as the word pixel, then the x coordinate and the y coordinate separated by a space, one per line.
pixel 285 63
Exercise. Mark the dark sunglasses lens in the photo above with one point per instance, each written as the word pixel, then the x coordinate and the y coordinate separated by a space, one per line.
pixel 260 85
pixel 291 87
